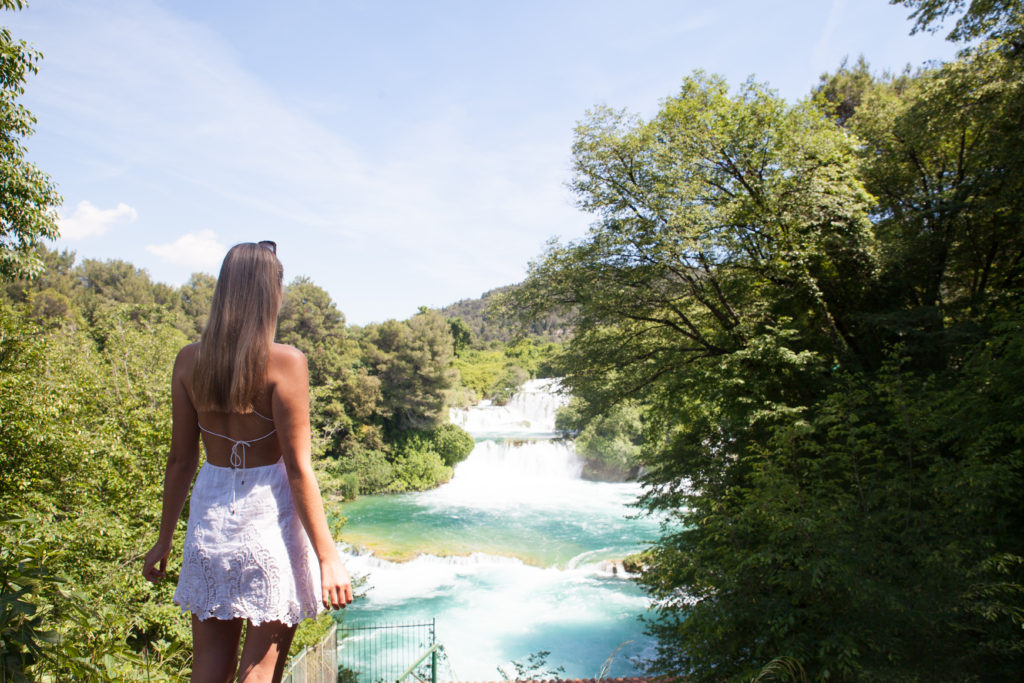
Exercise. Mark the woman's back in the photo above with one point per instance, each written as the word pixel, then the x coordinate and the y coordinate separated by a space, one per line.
pixel 225 433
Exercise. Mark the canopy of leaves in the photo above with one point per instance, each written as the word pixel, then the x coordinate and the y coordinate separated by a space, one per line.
pixel 1002 20
pixel 818 309
pixel 28 198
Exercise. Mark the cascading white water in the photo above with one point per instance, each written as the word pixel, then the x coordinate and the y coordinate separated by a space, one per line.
pixel 510 473
pixel 531 410
pixel 532 551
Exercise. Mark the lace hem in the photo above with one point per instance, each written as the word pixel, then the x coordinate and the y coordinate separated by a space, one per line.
pixel 295 613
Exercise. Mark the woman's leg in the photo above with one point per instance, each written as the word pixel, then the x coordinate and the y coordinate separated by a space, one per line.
pixel 214 649
pixel 265 652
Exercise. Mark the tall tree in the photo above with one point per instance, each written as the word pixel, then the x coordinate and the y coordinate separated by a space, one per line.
pixel 195 298
pixel 413 362
pixel 944 155
pixel 342 391
pixel 803 352
pixel 27 195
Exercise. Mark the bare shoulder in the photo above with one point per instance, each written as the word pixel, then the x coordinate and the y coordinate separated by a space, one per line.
pixel 286 360
pixel 186 360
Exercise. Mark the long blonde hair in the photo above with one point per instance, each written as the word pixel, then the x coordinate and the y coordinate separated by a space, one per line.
pixel 230 372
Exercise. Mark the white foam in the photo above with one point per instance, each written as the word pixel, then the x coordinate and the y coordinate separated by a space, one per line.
pixel 530 411
pixel 491 609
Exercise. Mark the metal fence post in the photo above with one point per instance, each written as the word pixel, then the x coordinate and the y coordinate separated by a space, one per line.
pixel 433 654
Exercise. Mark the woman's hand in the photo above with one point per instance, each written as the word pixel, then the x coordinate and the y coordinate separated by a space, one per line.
pixel 336 584
pixel 155 567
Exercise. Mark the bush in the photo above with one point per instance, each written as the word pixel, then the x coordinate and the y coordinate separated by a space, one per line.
pixel 451 442
pixel 311 632
pixel 373 469
pixel 419 470
pixel 349 486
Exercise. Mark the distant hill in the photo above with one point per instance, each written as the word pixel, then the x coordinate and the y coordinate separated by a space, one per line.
pixel 486 327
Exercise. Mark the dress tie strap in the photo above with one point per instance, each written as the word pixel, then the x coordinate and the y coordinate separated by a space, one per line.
pixel 237 457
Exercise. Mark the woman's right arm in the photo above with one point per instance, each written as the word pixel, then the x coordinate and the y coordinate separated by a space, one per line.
pixel 181 464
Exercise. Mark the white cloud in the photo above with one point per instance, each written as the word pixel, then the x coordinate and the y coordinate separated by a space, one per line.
pixel 196 250
pixel 91 221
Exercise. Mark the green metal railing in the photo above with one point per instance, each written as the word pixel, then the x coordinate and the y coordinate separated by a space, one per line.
pixel 372 653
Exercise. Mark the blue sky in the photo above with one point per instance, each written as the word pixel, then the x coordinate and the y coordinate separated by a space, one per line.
pixel 400 153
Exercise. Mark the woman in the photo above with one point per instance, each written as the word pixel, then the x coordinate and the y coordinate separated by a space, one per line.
pixel 257 549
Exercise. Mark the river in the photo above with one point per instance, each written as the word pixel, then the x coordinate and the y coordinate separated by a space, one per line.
pixel 516 555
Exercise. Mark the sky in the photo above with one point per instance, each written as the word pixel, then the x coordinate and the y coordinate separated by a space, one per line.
pixel 400 153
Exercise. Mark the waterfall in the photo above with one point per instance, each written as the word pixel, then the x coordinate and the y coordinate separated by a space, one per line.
pixel 517 459
pixel 530 411
pixel 516 554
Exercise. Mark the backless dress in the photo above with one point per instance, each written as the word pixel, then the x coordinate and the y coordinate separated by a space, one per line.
pixel 246 552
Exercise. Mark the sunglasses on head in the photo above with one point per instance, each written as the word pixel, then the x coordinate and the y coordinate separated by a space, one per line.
pixel 272 246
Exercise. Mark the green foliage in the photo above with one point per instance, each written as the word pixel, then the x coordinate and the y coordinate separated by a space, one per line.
pixel 453 443
pixel 508 384
pixel 947 139
pixel 820 327
pixel 417 470
pixel 196 295
pixel 348 486
pixel 480 370
pixel 412 360
pixel 839 94
pixel 462 336
pixel 449 441
pixel 1002 20
pixel 343 395
pixel 24 583
pixel 311 632
pixel 609 443
pixel 415 460
pixel 497 373
pixel 82 444
pixel 487 322
pixel 310 321
pixel 374 469
pixel 27 195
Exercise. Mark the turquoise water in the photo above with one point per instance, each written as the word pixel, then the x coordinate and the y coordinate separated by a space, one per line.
pixel 516 555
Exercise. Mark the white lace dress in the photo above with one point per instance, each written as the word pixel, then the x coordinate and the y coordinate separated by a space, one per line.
pixel 246 553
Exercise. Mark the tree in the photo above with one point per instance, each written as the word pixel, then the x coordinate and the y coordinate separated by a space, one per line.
pixel 413 362
pixel 716 207
pixel 462 335
pixel 816 368
pixel 119 281
pixel 27 195
pixel 610 443
pixel 1002 20
pixel 195 298
pixel 342 391
pixel 944 155
pixel 839 94
pixel 310 321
